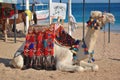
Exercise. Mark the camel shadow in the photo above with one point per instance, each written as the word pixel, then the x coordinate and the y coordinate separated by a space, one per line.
pixel 20 34
pixel 5 61
pixel 114 59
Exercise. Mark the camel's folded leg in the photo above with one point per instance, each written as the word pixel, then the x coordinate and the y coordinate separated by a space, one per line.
pixel 17 61
pixel 69 68
pixel 89 66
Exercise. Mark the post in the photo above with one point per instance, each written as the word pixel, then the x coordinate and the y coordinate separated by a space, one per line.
pixel 83 19
pixel 33 6
pixel 27 18
pixel 60 1
pixel 109 23
pixel 22 4
pixel 50 19
pixel 15 24
pixel 69 14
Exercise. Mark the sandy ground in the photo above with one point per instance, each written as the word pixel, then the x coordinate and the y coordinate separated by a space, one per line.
pixel 107 56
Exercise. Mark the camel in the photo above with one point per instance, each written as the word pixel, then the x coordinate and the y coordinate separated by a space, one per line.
pixel 9 22
pixel 64 57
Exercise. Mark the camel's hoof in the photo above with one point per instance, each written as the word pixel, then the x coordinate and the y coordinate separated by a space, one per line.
pixel 81 69
pixel 17 62
pixel 95 68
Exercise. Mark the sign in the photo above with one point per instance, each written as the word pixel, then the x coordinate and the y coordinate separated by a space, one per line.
pixel 58 10
pixel 9 1
pixel 42 14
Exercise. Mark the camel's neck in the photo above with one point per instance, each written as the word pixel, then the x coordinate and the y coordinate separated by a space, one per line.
pixel 90 39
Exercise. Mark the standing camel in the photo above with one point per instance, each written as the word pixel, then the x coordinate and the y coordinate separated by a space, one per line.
pixel 6 22
pixel 9 22
pixel 64 57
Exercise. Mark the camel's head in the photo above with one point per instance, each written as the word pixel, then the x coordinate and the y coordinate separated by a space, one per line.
pixel 99 19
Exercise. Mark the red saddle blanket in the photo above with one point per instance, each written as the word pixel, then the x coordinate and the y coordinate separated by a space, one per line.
pixel 40 41
pixel 63 38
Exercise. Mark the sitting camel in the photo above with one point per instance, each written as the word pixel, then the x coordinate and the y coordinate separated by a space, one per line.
pixel 64 57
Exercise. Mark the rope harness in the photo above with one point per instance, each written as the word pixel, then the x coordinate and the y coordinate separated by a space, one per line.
pixel 82 44
pixel 95 23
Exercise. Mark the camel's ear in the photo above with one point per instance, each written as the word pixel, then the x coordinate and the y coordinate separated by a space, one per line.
pixel 92 13
pixel 111 18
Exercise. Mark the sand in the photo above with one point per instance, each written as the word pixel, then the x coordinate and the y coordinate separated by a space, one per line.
pixel 107 56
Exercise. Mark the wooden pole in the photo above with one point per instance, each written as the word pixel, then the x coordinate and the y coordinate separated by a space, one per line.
pixel 15 24
pixel 33 6
pixel 83 19
pixel 69 14
pixel 60 1
pixel 109 23
pixel 27 18
pixel 50 19
pixel 22 4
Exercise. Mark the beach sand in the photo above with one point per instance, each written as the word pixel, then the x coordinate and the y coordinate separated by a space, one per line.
pixel 107 56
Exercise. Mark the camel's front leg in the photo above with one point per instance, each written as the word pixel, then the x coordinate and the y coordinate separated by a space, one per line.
pixel 68 67
pixel 65 63
pixel 5 28
pixel 89 66
pixel 5 32
pixel 64 60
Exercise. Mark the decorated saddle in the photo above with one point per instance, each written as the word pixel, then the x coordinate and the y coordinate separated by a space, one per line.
pixel 63 38
pixel 6 12
pixel 41 40
pixel 40 43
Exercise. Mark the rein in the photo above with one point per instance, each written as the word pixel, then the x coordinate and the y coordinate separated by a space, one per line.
pixel 95 23
pixel 83 45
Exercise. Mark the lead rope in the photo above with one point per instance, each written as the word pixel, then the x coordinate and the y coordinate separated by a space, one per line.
pixel 104 45
pixel 104 40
